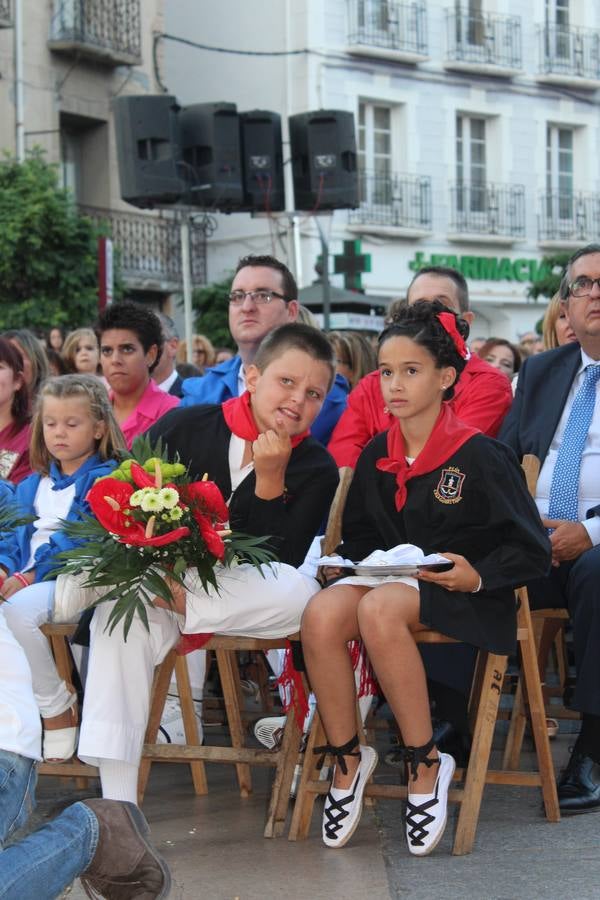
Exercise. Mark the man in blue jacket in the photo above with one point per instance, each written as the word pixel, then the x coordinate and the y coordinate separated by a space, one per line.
pixel 263 297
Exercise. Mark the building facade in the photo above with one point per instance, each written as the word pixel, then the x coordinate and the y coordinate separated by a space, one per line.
pixel 477 123
pixel 76 56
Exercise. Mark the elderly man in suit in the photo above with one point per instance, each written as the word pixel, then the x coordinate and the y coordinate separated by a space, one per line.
pixel 556 416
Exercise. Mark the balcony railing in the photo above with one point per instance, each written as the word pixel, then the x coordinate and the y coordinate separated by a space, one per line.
pixel 5 14
pixel 106 30
pixel 393 201
pixel 569 52
pixel 149 249
pixel 485 40
pixel 386 26
pixel 569 217
pixel 488 209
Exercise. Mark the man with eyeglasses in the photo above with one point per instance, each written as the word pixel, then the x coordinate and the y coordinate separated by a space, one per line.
pixel 263 296
pixel 556 416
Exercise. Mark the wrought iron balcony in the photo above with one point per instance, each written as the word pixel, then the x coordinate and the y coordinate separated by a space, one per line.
pixel 483 42
pixel 488 210
pixel 149 249
pixel 393 201
pixel 5 14
pixel 389 29
pixel 569 217
pixel 105 30
pixel 569 55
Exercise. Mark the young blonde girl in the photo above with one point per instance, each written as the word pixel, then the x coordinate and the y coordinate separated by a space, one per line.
pixel 445 487
pixel 73 442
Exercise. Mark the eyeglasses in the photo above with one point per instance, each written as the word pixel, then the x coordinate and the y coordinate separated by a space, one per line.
pixel 582 286
pixel 236 298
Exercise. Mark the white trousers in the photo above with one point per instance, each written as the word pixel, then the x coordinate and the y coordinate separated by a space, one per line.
pixel 262 604
pixel 25 611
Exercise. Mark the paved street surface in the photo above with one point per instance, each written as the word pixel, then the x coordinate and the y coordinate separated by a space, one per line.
pixel 215 847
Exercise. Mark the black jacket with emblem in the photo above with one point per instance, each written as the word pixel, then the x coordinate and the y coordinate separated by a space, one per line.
pixel 487 517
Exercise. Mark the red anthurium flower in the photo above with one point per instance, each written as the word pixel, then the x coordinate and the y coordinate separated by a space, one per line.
pixel 206 497
pixel 214 542
pixel 141 478
pixel 160 540
pixel 111 518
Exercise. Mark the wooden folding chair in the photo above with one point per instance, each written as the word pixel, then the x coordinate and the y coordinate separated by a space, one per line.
pixel 284 759
pixel 58 637
pixel 486 694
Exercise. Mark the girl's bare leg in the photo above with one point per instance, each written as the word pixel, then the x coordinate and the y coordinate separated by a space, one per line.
pixel 329 622
pixel 388 618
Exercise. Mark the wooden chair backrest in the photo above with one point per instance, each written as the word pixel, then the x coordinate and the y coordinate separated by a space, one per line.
pixel 531 466
pixel 333 532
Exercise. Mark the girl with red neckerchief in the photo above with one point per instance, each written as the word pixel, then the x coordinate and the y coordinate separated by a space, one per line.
pixel 445 487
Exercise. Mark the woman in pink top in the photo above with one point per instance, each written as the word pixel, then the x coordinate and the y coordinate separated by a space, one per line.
pixel 131 343
pixel 14 415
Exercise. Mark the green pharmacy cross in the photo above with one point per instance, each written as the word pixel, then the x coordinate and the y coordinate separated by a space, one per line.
pixel 351 264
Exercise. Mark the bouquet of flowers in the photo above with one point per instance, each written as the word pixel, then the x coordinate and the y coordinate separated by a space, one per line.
pixel 150 523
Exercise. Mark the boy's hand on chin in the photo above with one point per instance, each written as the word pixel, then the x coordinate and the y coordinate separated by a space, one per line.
pixel 272 450
pixel 463 577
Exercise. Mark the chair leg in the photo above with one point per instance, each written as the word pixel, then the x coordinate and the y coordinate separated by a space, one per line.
pixel 160 689
pixel 190 723
pixel 493 677
pixel 230 682
pixel 305 798
pixel 537 712
pixel 516 730
pixel 287 759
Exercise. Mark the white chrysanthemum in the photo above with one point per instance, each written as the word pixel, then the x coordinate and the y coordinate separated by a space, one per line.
pixel 151 502
pixel 136 498
pixel 176 514
pixel 169 497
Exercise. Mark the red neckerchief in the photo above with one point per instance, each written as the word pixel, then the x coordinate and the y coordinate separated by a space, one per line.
pixel 239 419
pixel 448 434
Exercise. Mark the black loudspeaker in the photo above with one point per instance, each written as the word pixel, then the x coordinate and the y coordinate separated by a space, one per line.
pixel 262 161
pixel 209 134
pixel 323 148
pixel 147 151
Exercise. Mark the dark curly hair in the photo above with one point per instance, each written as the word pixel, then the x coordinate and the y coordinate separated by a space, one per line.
pixel 130 316
pixel 290 288
pixel 420 323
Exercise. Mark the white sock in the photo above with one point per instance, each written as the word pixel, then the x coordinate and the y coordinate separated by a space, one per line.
pixel 119 780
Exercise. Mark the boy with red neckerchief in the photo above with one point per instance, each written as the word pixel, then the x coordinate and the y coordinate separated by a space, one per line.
pixel 279 482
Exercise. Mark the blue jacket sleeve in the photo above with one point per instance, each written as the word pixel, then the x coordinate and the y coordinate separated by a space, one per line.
pixel 59 542
pixel 14 545
pixel 334 405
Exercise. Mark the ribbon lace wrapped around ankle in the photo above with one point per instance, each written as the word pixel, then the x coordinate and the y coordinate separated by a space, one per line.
pixel 413 756
pixel 338 753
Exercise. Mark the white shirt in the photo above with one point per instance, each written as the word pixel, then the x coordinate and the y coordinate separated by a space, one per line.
pixel 237 445
pixel 241 383
pixel 50 506
pixel 589 474
pixel 20 726
pixel 167 384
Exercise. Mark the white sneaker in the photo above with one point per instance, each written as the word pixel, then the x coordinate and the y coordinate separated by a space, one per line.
pixel 269 731
pixel 343 807
pixel 171 729
pixel 426 814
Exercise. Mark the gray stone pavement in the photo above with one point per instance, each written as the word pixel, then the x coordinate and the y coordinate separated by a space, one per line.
pixel 215 847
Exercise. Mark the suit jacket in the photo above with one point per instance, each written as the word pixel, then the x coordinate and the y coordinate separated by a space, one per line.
pixel 542 390
pixel 175 388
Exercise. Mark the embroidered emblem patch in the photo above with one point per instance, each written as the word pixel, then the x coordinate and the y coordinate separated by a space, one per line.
pixel 450 486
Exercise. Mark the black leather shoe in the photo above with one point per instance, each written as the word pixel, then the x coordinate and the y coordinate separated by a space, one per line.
pixel 578 791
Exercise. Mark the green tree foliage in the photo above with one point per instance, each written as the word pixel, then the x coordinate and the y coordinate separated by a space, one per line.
pixel 48 252
pixel 211 304
pixel 552 267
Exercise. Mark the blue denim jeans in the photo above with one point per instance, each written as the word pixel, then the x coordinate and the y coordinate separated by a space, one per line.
pixel 45 862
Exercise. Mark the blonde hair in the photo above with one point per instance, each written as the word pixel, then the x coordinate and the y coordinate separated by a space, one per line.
pixel 198 340
pixel 549 322
pixel 64 387
pixel 72 340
